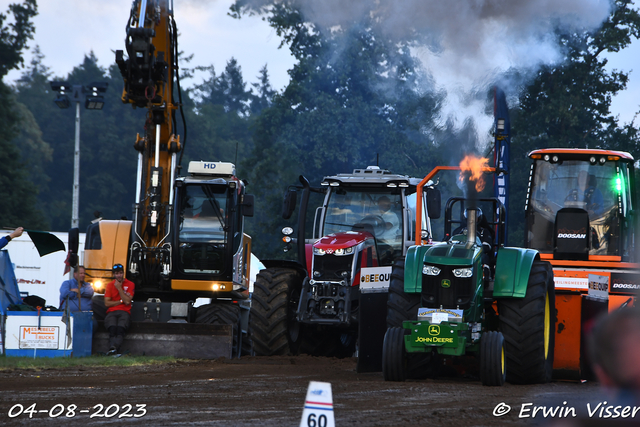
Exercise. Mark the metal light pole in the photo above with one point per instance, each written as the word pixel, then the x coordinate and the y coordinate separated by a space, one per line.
pixel 76 170
pixel 94 101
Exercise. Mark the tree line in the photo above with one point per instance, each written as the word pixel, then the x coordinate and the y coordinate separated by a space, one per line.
pixel 338 112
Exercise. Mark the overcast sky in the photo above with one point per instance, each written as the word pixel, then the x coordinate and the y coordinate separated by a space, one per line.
pixel 66 30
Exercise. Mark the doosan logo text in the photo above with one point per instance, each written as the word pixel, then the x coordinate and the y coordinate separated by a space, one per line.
pixel 625 286
pixel 571 236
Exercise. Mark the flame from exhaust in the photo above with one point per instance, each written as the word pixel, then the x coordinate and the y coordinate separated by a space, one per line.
pixel 472 167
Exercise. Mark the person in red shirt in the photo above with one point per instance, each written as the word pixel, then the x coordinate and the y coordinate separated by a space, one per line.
pixel 118 296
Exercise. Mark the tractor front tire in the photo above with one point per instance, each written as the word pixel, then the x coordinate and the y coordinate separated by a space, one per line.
pixel 492 361
pixel 394 356
pixel 274 301
pixel 527 325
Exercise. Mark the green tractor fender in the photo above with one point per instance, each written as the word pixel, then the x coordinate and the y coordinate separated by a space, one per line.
pixel 413 268
pixel 513 266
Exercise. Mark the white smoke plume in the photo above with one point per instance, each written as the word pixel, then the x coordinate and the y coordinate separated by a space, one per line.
pixel 465 45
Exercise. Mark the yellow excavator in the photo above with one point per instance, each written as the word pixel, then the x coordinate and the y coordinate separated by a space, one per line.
pixel 185 242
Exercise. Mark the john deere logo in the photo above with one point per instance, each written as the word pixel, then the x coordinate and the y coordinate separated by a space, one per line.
pixel 434 330
pixel 446 283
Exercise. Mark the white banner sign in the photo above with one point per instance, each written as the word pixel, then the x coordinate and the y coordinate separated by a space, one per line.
pixel 571 282
pixel 375 279
pixel 45 337
pixel 598 286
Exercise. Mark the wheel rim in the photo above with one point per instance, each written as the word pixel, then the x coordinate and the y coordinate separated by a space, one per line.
pixel 502 360
pixel 547 326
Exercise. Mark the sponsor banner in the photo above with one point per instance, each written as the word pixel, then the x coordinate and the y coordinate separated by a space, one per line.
pixel 375 279
pixel 625 283
pixel 598 286
pixel 25 330
pixel 571 282
pixel 439 315
pixel 45 337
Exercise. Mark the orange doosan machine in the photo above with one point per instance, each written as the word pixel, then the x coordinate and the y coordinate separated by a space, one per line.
pixel 580 217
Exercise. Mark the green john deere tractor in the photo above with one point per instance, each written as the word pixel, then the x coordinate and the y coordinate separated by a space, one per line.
pixel 471 295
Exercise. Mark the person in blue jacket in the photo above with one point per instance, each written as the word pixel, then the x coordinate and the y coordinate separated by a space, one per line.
pixel 6 239
pixel 76 292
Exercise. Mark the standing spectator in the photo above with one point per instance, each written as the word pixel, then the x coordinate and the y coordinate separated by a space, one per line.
pixel 6 239
pixel 76 292
pixel 118 296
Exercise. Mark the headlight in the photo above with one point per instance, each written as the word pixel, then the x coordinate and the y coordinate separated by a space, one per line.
pixel 345 251
pixel 463 272
pixel 287 231
pixel 341 251
pixel 430 270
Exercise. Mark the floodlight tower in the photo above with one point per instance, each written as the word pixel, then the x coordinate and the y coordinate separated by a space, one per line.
pixel 94 101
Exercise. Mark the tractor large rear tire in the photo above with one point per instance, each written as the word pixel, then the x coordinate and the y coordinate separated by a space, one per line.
pixel 528 328
pixel 217 313
pixel 394 356
pixel 275 298
pixel 400 305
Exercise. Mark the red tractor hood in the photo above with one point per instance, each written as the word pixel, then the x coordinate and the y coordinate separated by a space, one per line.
pixel 342 240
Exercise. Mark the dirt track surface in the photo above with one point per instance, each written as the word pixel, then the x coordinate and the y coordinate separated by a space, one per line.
pixel 270 391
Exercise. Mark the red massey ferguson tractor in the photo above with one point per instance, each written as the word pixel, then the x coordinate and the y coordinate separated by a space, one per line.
pixel 314 304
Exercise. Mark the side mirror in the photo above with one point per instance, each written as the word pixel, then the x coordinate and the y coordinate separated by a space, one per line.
pixel 247 205
pixel 434 204
pixel 289 203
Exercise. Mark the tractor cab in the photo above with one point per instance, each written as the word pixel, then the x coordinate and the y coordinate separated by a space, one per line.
pixel 354 214
pixel 579 204
pixel 210 247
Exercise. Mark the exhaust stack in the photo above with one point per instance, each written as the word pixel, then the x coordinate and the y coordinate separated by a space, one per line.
pixel 471 170
pixel 471 227
pixel 472 211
